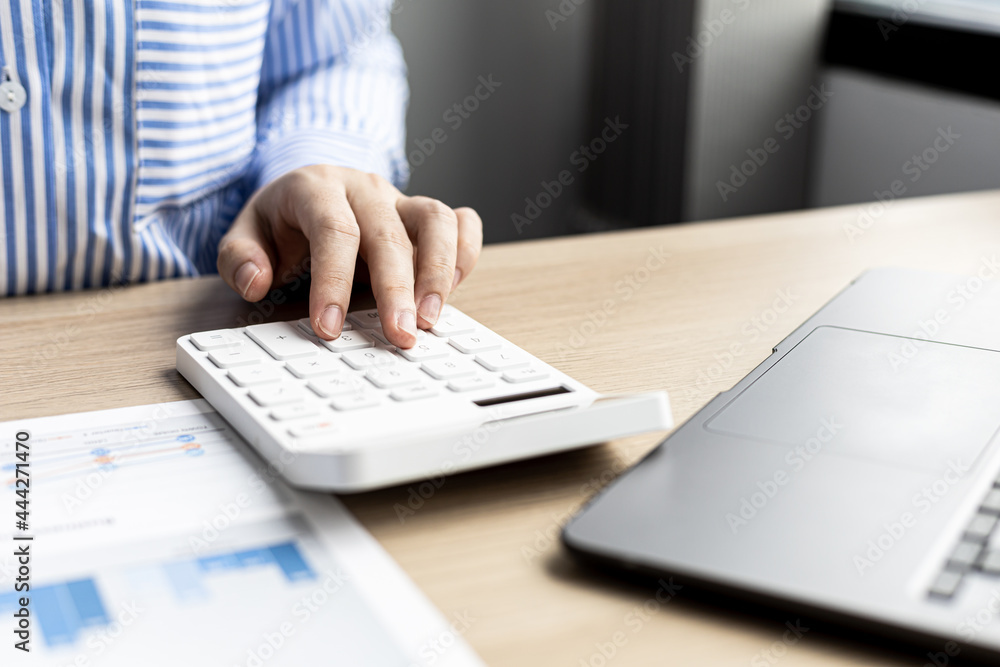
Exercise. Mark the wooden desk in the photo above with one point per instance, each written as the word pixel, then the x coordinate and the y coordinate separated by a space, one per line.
pixel 484 544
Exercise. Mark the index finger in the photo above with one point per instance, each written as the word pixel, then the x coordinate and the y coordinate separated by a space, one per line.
pixel 386 248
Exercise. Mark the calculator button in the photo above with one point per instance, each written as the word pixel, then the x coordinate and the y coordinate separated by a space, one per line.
pixel 323 364
pixel 366 319
pixel 501 360
pixel 349 340
pixel 414 392
pixel 380 335
pixel 335 385
pixel 356 401
pixel 426 349
pixel 280 394
pixel 445 369
pixel 388 377
pixel 229 357
pixel 471 383
pixel 452 323
pixel 248 376
pixel 362 359
pixel 213 340
pixel 475 342
pixel 295 411
pixel 311 429
pixel 525 374
pixel 306 326
pixel 282 340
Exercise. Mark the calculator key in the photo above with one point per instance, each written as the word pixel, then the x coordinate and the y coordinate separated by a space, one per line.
pixel 349 340
pixel 323 364
pixel 380 335
pixel 356 401
pixel 335 385
pixel 525 374
pixel 279 394
pixel 230 357
pixel 306 326
pixel 213 340
pixel 992 502
pixel 964 555
pixel 430 348
pixel 946 584
pixel 991 562
pixel 248 376
pixel 395 375
pixel 980 527
pixel 312 429
pixel 471 383
pixel 450 367
pixel 294 411
pixel 501 360
pixel 414 392
pixel 452 323
pixel 282 340
pixel 475 342
pixel 376 356
pixel 366 319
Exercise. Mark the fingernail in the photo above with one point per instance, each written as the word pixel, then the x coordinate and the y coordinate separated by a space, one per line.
pixel 245 275
pixel 407 321
pixel 458 279
pixel 430 308
pixel 331 321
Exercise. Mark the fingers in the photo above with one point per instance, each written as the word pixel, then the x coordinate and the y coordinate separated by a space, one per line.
pixel 386 248
pixel 322 211
pixel 434 228
pixel 470 243
pixel 244 261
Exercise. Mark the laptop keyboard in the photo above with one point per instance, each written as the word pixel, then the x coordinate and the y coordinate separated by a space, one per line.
pixel 977 551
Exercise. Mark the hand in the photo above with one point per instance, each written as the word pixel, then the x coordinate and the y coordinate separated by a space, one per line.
pixel 417 249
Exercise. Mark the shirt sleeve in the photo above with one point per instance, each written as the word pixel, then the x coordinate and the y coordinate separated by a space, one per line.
pixel 333 91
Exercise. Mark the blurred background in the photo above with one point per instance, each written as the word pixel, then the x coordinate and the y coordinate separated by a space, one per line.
pixel 564 116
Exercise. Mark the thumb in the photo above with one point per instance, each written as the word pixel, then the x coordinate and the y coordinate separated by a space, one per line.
pixel 244 258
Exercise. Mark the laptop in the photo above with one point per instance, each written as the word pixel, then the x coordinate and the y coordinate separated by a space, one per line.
pixel 853 475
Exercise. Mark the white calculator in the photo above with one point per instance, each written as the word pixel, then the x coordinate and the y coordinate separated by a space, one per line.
pixel 357 413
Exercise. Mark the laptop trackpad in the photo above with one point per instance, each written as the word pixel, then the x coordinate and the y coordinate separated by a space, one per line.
pixel 907 402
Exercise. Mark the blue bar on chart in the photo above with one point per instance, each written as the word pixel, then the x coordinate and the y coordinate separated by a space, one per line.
pixel 187 577
pixel 63 610
pixel 291 562
pixel 185 580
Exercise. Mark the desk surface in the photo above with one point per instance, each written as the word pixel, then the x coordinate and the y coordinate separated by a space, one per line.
pixel 603 308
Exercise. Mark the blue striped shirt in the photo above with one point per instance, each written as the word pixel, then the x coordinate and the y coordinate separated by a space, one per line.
pixel 149 123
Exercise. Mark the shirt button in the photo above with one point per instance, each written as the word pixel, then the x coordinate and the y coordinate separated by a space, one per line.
pixel 12 93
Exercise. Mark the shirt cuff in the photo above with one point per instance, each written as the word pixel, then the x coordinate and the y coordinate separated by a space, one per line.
pixel 305 147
